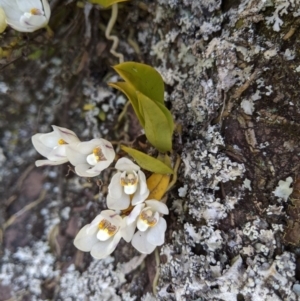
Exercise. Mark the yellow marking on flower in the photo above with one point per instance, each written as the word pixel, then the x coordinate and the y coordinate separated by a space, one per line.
pixel 62 141
pixel 106 226
pixel 148 218
pixel 97 151
pixel 129 180
pixel 35 11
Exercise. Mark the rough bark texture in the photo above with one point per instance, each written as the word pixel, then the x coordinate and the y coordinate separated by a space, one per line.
pixel 231 71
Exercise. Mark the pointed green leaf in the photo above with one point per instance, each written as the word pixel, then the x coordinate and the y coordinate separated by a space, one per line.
pixel 129 91
pixel 106 3
pixel 147 162
pixel 157 127
pixel 168 116
pixel 143 78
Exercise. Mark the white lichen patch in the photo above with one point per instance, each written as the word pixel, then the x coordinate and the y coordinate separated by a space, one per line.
pixel 98 282
pixel 283 190
pixel 28 269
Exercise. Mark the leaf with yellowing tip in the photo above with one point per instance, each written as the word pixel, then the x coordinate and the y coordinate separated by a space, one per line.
pixel 153 180
pixel 157 125
pixel 106 3
pixel 129 91
pixel 144 79
pixel 147 162
pixel 157 185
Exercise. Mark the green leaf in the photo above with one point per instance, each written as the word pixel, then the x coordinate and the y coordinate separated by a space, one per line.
pixel 147 162
pixel 129 91
pixel 168 116
pixel 157 126
pixel 106 3
pixel 143 78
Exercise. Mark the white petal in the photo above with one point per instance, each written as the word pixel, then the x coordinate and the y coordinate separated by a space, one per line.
pixel 100 166
pixel 50 139
pixel 55 156
pixel 84 241
pixel 27 5
pixel 115 190
pixel 113 217
pixel 81 170
pixel 86 147
pixel 140 242
pixel 74 156
pixel 47 9
pixel 65 134
pixel 93 226
pixel 135 213
pixel 125 164
pixel 108 150
pixel 58 153
pixel 156 234
pixel 139 197
pixel 121 203
pixel 39 146
pixel 17 26
pixel 158 206
pixel 12 11
pixel 104 248
pixel 127 231
pixel 33 21
pixel 142 182
pixel 142 225
pixel 39 163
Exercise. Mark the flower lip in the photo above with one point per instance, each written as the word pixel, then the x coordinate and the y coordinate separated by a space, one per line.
pixel 129 180
pixel 106 230
pixel 148 217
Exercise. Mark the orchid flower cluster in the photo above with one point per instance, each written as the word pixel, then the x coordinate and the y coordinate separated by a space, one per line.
pixel 129 206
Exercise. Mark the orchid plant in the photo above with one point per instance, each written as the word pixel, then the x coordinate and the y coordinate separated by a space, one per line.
pixel 136 204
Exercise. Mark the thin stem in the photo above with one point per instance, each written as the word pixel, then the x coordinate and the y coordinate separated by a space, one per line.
pixel 115 39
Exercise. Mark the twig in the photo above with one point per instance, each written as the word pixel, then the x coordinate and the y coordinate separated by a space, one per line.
pixel 121 116
pixel 12 219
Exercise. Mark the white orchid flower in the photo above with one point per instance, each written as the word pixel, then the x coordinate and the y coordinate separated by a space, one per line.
pixel 53 145
pixel 26 15
pixel 129 182
pixel 103 234
pixel 91 157
pixel 151 225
